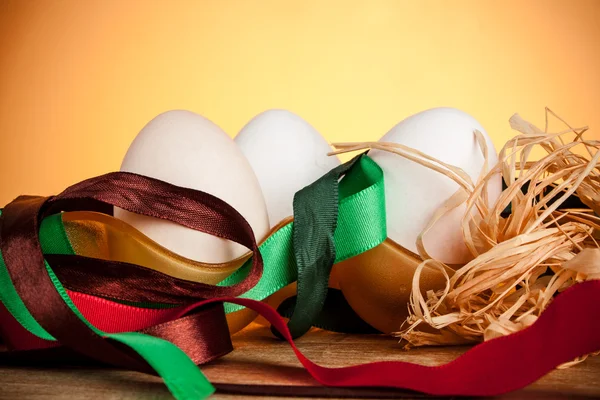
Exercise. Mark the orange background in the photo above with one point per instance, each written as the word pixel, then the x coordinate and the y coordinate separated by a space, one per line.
pixel 79 79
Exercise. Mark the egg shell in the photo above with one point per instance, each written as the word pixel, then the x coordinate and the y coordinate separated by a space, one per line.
pixel 414 192
pixel 287 154
pixel 188 150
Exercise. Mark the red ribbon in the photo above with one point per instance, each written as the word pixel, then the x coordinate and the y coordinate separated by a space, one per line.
pixel 567 329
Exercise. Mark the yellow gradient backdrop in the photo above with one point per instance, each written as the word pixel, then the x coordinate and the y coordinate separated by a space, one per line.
pixel 79 79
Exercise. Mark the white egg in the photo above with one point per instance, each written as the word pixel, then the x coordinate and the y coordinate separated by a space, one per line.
pixel 414 192
pixel 188 150
pixel 287 154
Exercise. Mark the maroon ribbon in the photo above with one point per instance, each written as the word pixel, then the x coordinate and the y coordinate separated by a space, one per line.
pixel 122 281
pixel 19 243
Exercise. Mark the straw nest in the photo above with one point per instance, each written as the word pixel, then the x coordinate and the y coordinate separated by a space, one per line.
pixel 521 261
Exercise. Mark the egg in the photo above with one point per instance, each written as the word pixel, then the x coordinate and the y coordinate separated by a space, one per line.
pixel 378 283
pixel 286 154
pixel 188 150
pixel 414 192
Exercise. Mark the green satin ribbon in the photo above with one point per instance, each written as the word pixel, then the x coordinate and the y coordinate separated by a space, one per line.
pixel 360 227
pixel 315 222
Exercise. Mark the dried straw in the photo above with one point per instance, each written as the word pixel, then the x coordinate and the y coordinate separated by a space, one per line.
pixel 520 262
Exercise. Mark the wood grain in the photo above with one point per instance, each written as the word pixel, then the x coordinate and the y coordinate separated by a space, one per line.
pixel 259 358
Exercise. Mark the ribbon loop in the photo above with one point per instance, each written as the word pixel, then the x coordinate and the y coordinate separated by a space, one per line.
pixel 37 293
pixel 315 222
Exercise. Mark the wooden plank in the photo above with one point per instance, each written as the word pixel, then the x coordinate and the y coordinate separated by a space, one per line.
pixel 259 358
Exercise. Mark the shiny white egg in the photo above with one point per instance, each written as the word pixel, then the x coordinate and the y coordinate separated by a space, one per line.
pixel 287 154
pixel 188 150
pixel 414 192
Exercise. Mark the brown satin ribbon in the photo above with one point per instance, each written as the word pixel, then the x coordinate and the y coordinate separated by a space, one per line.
pixel 147 196
pixel 122 281
pixel 202 335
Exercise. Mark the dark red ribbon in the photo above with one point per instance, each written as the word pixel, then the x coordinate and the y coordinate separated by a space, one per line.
pixel 567 329
pixel 19 243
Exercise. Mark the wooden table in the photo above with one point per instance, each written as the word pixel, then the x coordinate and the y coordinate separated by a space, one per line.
pixel 259 358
